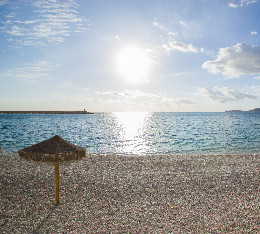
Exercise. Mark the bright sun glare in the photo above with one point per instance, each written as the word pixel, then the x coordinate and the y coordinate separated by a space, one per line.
pixel 132 127
pixel 133 64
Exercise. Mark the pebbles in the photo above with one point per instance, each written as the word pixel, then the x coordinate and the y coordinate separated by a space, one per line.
pixel 115 193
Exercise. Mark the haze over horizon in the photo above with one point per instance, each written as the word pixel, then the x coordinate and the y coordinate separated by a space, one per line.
pixel 106 56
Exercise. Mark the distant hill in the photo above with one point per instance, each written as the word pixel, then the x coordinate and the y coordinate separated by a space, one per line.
pixel 234 111
pixel 254 110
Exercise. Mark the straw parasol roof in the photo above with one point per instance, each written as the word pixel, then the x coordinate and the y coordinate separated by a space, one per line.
pixel 48 150
pixel 55 149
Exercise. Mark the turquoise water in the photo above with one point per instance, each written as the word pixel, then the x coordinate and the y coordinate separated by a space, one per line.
pixel 137 133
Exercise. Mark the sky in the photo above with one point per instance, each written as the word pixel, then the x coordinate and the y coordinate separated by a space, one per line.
pixel 130 55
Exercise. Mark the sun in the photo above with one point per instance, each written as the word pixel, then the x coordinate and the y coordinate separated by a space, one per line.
pixel 133 64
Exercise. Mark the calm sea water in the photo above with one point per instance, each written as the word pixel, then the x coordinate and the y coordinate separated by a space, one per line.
pixel 137 133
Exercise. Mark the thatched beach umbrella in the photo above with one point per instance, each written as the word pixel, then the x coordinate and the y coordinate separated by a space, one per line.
pixel 55 149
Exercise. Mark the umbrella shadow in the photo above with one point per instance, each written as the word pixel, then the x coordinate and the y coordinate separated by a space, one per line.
pixel 44 221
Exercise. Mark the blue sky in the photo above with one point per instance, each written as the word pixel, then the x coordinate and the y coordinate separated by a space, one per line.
pixel 131 55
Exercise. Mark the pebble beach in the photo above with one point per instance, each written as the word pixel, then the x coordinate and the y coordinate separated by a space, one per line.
pixel 132 194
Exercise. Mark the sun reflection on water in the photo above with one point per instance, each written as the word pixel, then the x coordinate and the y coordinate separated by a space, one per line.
pixel 132 128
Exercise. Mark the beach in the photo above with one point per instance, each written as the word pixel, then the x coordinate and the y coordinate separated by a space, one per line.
pixel 132 194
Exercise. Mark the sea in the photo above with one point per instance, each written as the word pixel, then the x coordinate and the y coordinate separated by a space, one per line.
pixel 137 133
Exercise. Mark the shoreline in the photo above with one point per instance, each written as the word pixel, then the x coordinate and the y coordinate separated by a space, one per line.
pixel 154 154
pixel 115 193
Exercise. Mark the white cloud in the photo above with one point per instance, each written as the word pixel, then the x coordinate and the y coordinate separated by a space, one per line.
pixel 30 71
pixel 241 3
pixel 224 94
pixel 175 45
pixel 236 61
pixel 173 33
pixel 256 88
pixel 160 26
pixel 140 98
pixel 164 29
pixel 233 5
pixel 257 78
pixel 50 22
pixel 183 23
pixel 26 21
pixel 254 33
pixel 3 2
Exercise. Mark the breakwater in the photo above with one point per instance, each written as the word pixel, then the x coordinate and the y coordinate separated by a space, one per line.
pixel 45 112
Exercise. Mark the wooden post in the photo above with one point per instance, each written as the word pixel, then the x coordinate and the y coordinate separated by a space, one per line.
pixel 57 180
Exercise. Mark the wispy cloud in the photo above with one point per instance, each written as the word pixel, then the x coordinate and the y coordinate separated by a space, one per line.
pixel 178 74
pixel 183 23
pixel 224 94
pixel 160 26
pixel 164 29
pixel 173 38
pixel 140 98
pixel 173 34
pixel 3 2
pixel 256 88
pixel 49 22
pixel 176 45
pixel 117 37
pixel 236 61
pixel 254 33
pixel 241 3
pixel 233 5
pixel 30 71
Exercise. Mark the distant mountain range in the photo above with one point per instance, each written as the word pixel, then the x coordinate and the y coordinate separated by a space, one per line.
pixel 254 110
